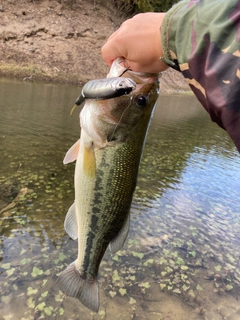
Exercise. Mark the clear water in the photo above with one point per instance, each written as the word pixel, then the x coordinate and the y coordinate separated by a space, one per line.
pixel 182 258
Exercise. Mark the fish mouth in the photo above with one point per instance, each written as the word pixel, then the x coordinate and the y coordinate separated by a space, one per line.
pixel 100 118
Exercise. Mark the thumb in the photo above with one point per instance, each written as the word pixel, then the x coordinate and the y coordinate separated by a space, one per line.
pixel 110 52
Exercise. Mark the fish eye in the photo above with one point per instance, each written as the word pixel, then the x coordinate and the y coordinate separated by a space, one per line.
pixel 141 101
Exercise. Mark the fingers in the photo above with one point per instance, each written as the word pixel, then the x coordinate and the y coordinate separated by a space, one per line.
pixel 113 48
pixel 109 53
pixel 138 42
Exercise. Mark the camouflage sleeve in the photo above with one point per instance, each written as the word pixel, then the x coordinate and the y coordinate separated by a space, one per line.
pixel 201 38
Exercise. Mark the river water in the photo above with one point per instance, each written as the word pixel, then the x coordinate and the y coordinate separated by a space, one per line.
pixel 182 258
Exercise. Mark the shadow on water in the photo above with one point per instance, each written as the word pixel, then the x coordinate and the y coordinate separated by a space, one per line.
pixel 182 258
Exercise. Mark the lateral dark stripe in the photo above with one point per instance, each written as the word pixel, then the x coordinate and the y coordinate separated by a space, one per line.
pixel 96 208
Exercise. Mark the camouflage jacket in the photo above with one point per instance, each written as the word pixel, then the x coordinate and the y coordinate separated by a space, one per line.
pixel 201 38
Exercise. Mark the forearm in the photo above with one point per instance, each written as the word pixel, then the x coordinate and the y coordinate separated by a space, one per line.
pixel 202 39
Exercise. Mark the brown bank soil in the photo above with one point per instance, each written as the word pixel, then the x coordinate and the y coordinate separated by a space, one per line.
pixel 49 40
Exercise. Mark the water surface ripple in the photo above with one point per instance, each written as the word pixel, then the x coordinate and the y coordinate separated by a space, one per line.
pixel 184 243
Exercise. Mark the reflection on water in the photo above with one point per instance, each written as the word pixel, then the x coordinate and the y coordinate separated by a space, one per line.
pixel 182 258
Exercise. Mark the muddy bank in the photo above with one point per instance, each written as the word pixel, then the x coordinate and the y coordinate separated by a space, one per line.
pixel 49 41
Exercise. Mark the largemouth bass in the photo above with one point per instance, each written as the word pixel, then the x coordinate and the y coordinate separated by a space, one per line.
pixel 108 155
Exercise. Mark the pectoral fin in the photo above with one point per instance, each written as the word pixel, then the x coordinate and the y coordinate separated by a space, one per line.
pixel 117 243
pixel 72 153
pixel 89 161
pixel 70 223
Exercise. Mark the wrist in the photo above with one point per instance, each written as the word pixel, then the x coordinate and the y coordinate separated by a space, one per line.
pixel 168 52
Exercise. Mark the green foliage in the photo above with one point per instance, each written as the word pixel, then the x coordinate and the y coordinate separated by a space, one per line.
pixel 151 5
pixel 161 5
pixel 127 7
pixel 130 7
pixel 143 5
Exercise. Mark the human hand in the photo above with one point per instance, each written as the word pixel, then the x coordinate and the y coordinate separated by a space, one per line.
pixel 138 41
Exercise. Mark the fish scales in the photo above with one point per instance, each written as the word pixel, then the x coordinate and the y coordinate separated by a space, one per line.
pixel 115 183
pixel 108 154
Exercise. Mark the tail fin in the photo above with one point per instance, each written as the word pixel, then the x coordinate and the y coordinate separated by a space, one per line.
pixel 72 284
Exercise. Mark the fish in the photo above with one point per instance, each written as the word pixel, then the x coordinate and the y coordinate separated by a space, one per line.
pixel 108 154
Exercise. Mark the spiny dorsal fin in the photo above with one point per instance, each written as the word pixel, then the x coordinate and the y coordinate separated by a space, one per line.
pixel 70 223
pixel 117 243
pixel 72 153
pixel 74 285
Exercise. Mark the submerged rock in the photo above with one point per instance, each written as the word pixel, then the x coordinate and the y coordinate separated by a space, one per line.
pixel 8 191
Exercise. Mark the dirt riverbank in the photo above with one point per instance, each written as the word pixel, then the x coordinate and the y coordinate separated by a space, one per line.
pixel 50 41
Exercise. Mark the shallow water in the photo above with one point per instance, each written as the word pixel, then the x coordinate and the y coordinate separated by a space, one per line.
pixel 182 258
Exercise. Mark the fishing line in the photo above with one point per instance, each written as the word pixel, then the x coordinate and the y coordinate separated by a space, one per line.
pixel 127 67
pixel 120 119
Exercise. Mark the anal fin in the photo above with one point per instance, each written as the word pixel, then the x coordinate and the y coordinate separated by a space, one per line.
pixel 117 243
